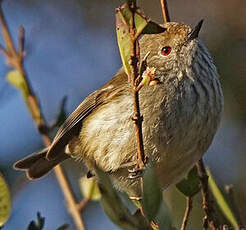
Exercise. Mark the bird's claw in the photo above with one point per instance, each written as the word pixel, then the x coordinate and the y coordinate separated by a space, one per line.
pixel 135 173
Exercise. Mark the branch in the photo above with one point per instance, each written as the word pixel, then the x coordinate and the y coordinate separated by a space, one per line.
pixel 15 60
pixel 187 212
pixel 207 202
pixel 82 204
pixel 137 118
pixel 21 40
pixel 165 13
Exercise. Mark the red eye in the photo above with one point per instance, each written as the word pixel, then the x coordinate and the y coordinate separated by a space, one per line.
pixel 166 50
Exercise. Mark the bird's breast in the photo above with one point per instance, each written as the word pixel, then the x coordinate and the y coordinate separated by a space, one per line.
pixel 178 127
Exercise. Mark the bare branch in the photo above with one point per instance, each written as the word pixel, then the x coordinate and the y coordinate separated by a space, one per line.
pixel 206 199
pixel 137 118
pixel 187 213
pixel 82 204
pixel 5 31
pixel 165 13
pixel 21 40
pixel 4 51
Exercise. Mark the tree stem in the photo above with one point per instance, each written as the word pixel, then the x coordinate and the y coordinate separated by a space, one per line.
pixel 165 13
pixel 207 202
pixel 187 213
pixel 137 118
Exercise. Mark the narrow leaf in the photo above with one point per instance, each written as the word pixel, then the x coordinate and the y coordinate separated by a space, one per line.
pixel 152 195
pixel 154 206
pixel 115 208
pixel 190 185
pixel 163 218
pixel 153 28
pixel 142 24
pixel 221 201
pixel 5 201
pixel 122 17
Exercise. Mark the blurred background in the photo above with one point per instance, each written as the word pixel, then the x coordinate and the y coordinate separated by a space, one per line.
pixel 72 50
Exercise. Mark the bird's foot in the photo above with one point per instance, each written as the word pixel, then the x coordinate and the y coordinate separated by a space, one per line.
pixel 135 173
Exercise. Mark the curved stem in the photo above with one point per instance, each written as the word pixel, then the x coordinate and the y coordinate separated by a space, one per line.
pixel 187 213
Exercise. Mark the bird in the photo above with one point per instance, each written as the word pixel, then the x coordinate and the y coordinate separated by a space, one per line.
pixel 181 113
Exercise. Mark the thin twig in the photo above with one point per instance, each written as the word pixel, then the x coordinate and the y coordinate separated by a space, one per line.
pixel 165 13
pixel 206 199
pixel 82 204
pixel 3 51
pixel 15 60
pixel 70 199
pixel 21 40
pixel 137 118
pixel 187 213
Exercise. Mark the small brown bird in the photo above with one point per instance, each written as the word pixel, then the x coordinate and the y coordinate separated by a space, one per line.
pixel 181 115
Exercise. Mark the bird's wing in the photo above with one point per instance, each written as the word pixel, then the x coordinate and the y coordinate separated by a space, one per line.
pixel 72 126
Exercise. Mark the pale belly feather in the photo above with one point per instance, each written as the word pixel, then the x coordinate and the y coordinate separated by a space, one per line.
pixel 174 137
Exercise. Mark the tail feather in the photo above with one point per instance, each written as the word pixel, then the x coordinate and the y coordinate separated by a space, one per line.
pixel 37 165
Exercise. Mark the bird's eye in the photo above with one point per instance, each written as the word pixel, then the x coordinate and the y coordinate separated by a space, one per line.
pixel 166 50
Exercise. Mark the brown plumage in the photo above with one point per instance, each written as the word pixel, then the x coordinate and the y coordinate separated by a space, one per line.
pixel 181 115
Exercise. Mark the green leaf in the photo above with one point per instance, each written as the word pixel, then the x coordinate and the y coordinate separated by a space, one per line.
pixel 123 36
pixel 89 188
pixel 115 208
pixel 221 201
pixel 142 24
pixel 163 218
pixel 153 28
pixel 190 185
pixel 154 207
pixel 16 79
pixel 152 194
pixel 5 201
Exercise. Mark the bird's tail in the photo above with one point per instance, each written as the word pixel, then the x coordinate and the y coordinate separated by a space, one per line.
pixel 37 165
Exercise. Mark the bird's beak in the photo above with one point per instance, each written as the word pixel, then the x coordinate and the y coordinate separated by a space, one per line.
pixel 195 32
